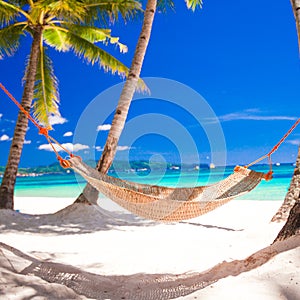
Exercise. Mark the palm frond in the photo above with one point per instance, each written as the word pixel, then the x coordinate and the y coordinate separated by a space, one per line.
pixel 104 10
pixel 46 96
pixel 56 38
pixel 8 13
pixel 10 38
pixel 19 3
pixel 93 54
pixel 193 4
pixel 70 10
pixel 95 35
pixel 164 5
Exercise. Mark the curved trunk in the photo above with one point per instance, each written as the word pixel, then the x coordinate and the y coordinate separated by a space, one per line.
pixel 296 10
pixel 294 189
pixel 10 174
pixel 292 195
pixel 290 208
pixel 292 226
pixel 89 193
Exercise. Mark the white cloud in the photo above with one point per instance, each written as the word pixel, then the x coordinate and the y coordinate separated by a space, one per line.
pixel 104 127
pixel 4 137
pixel 122 148
pixel 68 133
pixel 55 119
pixel 47 147
pixel 253 114
pixel 1 115
pixel 99 148
pixel 119 148
pixel 27 142
pixel 69 146
pixel 294 142
pixel 78 147
pixel 253 110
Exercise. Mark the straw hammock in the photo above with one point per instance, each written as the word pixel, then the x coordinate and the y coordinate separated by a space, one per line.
pixel 159 202
pixel 166 203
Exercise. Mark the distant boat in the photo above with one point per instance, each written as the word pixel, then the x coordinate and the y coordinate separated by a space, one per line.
pixel 212 166
pixel 277 164
pixel 174 168
pixel 142 170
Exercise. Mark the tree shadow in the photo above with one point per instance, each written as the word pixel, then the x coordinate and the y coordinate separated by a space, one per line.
pixel 141 285
pixel 78 219
pixel 210 226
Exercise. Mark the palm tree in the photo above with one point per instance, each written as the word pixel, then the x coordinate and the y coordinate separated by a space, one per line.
pixel 290 209
pixel 66 25
pixel 90 194
pixel 292 195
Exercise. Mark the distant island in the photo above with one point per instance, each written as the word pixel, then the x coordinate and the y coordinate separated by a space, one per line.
pixel 118 166
pixel 137 166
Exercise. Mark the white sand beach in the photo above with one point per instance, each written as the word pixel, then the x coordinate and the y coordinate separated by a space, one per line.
pixel 85 252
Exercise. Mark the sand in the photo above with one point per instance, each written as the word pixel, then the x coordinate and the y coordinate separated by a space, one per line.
pixel 86 252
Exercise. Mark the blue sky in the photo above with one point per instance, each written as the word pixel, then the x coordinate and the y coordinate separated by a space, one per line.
pixel 242 57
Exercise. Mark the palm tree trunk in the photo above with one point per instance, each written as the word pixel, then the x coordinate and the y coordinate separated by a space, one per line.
pixel 90 194
pixel 10 173
pixel 294 189
pixel 292 226
pixel 292 195
pixel 296 10
pixel 290 208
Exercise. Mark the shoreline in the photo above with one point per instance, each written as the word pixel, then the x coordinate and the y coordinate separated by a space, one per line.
pixel 50 205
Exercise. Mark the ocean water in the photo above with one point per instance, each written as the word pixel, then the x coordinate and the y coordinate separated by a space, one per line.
pixel 70 185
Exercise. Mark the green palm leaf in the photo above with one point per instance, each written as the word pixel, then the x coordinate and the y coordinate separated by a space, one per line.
pixel 46 96
pixel 63 40
pixel 56 38
pixel 10 39
pixel 111 10
pixel 19 3
pixel 71 10
pixel 83 48
pixel 164 5
pixel 8 13
pixel 192 4
pixel 93 54
pixel 94 35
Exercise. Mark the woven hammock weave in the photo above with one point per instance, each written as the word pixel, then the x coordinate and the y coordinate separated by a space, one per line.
pixel 166 203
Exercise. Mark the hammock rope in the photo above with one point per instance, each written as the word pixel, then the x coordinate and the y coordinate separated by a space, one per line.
pixel 42 130
pixel 275 148
pixel 159 202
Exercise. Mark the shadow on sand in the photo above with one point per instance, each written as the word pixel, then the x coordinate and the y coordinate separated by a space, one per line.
pixel 134 287
pixel 79 219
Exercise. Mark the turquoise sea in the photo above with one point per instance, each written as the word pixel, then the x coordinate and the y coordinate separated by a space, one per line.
pixel 70 185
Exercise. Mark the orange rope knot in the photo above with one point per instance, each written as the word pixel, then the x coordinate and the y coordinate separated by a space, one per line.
pixel 43 131
pixel 64 162
pixel 268 176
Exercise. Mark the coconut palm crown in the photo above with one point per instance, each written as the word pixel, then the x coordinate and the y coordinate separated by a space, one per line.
pixel 65 25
